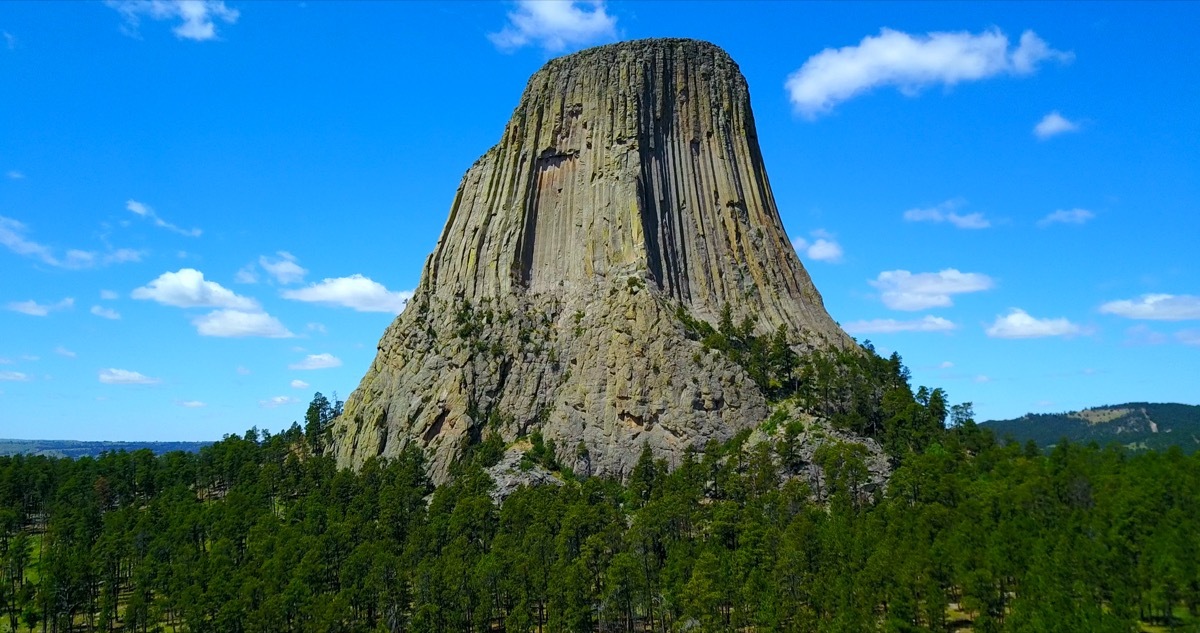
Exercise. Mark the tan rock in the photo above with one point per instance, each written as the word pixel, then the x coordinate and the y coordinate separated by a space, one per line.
pixel 628 182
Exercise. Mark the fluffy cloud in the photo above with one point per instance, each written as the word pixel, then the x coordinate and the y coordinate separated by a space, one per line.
pixel 105 313
pixel 277 401
pixel 125 377
pixel 1067 216
pixel 1019 324
pixel 555 25
pixel 890 326
pixel 285 270
pixel 824 248
pixel 13 376
pixel 355 291
pixel 911 63
pixel 238 323
pixel 317 361
pixel 945 212
pixel 196 17
pixel 143 210
pixel 1053 124
pixel 299 384
pixel 33 308
pixel 1156 307
pixel 187 288
pixel 902 290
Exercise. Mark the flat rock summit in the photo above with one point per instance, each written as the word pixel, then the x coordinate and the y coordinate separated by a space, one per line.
pixel 627 189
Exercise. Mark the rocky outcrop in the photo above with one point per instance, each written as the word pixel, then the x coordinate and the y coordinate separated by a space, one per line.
pixel 628 184
pixel 513 471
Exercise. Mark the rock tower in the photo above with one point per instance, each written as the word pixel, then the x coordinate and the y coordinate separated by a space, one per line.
pixel 627 184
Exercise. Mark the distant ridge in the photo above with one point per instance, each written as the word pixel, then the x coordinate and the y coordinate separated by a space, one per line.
pixel 76 449
pixel 1135 425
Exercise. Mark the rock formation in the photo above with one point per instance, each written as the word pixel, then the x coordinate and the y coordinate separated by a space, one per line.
pixel 628 183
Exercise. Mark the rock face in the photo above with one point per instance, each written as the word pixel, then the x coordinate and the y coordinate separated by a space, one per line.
pixel 628 183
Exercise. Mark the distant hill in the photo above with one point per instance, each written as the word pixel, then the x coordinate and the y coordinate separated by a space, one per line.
pixel 73 448
pixel 1136 425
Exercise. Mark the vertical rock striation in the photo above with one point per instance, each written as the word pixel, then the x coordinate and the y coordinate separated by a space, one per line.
pixel 628 182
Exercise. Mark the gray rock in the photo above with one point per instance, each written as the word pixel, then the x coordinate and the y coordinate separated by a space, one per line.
pixel 628 183
pixel 513 471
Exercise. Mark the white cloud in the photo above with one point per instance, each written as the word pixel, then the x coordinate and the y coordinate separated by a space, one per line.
pixel 1053 124
pixel 317 361
pixel 195 16
pixel 982 379
pixel 1141 335
pixel 62 351
pixel 123 255
pixel 1067 216
pixel 355 291
pixel 823 249
pixel 14 174
pixel 945 365
pixel 902 290
pixel 945 212
pixel 277 401
pixel 192 404
pixel 285 270
pixel 299 384
pixel 1156 307
pixel 911 63
pixel 317 327
pixel 108 295
pixel 237 323
pixel 1188 337
pixel 555 25
pixel 13 237
pixel 145 211
pixel 13 376
pixel 125 377
pixel 187 288
pixel 889 326
pixel 33 308
pixel 106 313
pixel 246 275
pixel 242 371
pixel 1019 324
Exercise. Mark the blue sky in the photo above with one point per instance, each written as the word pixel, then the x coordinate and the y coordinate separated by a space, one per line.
pixel 210 210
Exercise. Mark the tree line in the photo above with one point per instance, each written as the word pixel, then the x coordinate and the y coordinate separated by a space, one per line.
pixel 261 532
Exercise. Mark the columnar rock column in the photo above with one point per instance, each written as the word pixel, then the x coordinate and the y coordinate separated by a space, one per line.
pixel 628 183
